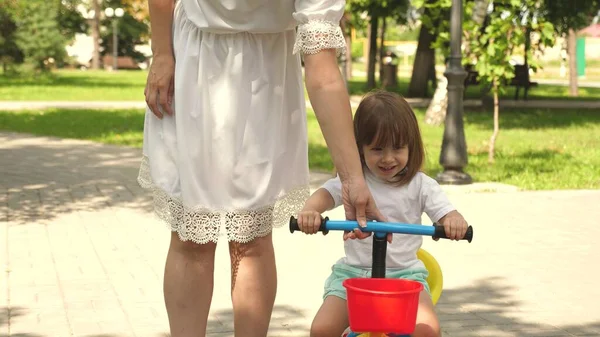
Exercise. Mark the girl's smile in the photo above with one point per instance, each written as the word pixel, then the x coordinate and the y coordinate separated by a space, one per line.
pixel 385 162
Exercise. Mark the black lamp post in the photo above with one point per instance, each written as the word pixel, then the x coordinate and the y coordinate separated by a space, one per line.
pixel 454 148
pixel 116 13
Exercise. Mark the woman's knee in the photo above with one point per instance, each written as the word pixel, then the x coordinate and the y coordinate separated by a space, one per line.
pixel 257 247
pixel 191 249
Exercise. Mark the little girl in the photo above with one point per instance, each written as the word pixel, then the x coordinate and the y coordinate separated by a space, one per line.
pixel 391 150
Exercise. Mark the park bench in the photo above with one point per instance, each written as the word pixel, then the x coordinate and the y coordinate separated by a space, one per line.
pixel 520 80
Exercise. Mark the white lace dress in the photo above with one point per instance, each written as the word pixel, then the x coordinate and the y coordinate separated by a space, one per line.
pixel 233 160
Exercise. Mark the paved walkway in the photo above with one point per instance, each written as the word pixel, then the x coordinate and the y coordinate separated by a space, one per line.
pixel 83 255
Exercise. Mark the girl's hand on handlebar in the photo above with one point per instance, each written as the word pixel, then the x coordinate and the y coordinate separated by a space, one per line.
pixel 455 225
pixel 309 221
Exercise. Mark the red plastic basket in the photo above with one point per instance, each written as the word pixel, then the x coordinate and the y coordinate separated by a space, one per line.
pixel 382 305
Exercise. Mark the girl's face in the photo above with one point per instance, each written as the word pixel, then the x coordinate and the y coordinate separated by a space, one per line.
pixel 385 162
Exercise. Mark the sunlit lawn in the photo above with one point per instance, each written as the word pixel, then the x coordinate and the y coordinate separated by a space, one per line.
pixel 75 85
pixel 357 86
pixel 536 149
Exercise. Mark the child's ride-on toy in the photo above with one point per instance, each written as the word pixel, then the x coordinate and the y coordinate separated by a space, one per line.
pixel 377 306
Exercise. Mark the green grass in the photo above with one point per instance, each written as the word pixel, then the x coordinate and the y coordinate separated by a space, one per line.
pixel 537 149
pixel 357 86
pixel 74 85
pixel 119 127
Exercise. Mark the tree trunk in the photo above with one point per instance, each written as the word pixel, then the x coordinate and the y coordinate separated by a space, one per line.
pixel 424 57
pixel 572 51
pixel 480 11
pixel 96 34
pixel 381 49
pixel 436 112
pixel 496 124
pixel 372 52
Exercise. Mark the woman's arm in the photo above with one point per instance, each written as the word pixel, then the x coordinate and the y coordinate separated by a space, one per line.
pixel 159 85
pixel 161 23
pixel 330 100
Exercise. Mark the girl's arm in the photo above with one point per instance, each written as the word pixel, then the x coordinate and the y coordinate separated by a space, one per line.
pixel 309 219
pixel 320 201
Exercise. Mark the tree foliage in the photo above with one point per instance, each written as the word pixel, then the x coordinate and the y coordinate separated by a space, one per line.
pixel 511 26
pixel 570 14
pixel 394 9
pixel 38 35
pixel 69 19
pixel 131 30
pixel 9 50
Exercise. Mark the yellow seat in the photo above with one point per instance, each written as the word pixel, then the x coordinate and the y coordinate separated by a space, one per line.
pixel 435 280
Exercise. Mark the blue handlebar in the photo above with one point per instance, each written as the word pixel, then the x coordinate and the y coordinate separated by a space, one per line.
pixel 380 229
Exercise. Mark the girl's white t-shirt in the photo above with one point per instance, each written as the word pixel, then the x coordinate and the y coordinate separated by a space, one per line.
pixel 404 204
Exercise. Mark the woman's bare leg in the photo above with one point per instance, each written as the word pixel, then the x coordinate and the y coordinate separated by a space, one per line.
pixel 188 286
pixel 254 285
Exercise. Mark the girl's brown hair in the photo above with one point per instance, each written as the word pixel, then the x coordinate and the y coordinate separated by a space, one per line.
pixel 384 118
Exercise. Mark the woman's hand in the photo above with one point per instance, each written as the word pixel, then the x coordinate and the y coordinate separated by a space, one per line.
pixel 160 85
pixel 360 206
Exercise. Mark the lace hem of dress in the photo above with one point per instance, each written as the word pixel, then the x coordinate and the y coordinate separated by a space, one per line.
pixel 316 35
pixel 202 225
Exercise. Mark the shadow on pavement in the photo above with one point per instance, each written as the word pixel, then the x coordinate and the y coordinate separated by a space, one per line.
pixel 488 307
pixel 285 321
pixel 39 181
pixel 6 314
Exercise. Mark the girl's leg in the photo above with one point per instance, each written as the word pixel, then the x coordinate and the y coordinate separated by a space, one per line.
pixel 188 286
pixel 331 319
pixel 427 321
pixel 253 285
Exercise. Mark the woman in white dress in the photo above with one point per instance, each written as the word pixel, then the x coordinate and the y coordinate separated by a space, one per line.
pixel 225 141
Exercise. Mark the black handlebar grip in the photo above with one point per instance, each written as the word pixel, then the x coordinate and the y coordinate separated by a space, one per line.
pixel 294 225
pixel 441 233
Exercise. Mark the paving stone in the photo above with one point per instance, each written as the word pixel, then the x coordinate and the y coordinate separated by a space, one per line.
pixel 83 255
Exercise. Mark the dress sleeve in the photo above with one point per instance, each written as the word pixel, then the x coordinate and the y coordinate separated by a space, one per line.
pixel 318 26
